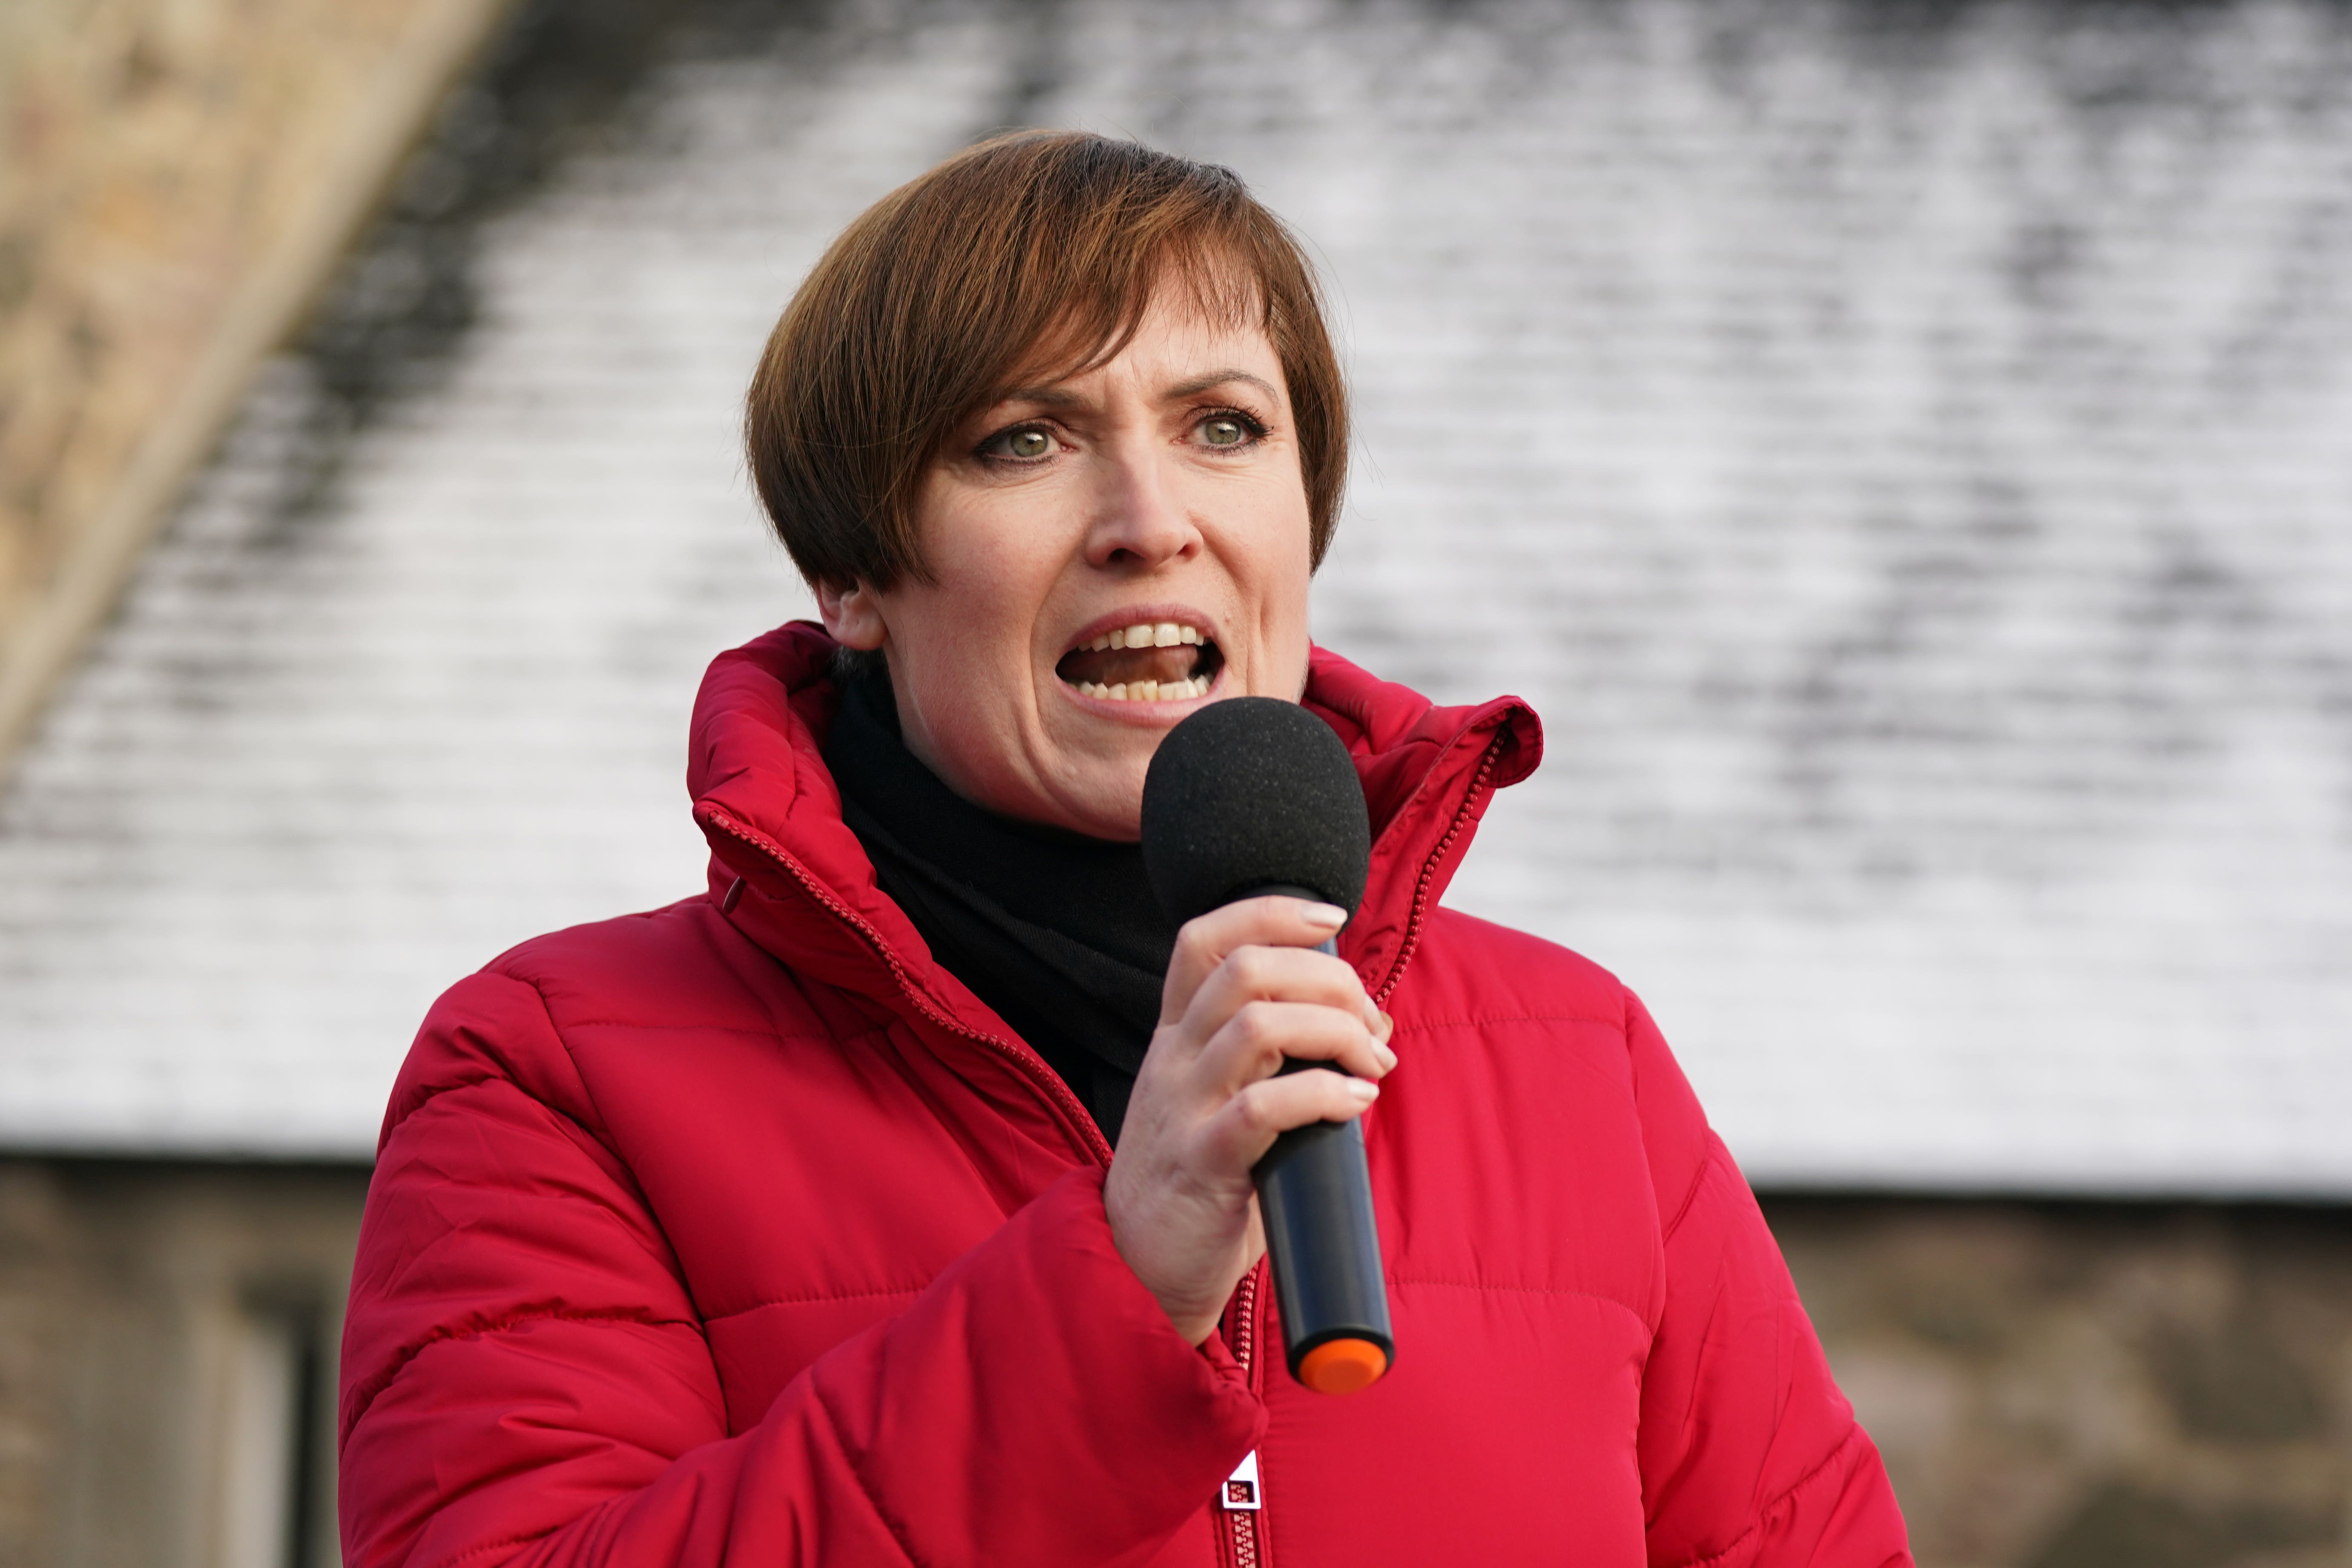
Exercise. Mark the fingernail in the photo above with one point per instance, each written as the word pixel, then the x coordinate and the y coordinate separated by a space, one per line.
pixel 1387 1060
pixel 1323 917
pixel 1364 1089
pixel 1388 1026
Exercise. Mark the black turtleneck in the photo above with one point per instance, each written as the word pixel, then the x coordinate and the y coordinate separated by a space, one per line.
pixel 1057 931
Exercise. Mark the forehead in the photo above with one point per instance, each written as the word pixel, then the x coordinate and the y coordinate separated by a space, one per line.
pixel 1181 343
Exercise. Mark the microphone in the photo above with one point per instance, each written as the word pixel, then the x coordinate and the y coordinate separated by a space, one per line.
pixel 1255 795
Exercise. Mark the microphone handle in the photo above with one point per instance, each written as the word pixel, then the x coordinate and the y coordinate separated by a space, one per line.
pixel 1315 1194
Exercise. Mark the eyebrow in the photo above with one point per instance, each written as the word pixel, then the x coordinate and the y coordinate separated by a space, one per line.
pixel 1062 398
pixel 1215 378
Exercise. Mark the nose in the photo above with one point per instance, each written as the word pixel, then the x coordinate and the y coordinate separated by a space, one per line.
pixel 1139 520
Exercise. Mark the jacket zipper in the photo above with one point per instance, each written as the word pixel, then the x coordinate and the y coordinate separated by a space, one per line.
pixel 1416 916
pixel 1245 1546
pixel 1241 1338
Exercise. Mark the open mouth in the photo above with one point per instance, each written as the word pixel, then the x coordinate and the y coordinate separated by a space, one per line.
pixel 1150 661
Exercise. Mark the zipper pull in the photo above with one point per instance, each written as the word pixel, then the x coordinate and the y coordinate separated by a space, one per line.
pixel 1241 1488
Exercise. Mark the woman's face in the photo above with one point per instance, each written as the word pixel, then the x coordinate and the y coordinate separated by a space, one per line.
pixel 1159 491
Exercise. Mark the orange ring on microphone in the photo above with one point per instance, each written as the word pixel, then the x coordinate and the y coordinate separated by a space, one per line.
pixel 1342 1366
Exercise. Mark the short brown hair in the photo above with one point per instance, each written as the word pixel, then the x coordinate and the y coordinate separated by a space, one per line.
pixel 1033 252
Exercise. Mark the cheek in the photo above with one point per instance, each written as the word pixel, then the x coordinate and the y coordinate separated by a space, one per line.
pixel 1283 575
pixel 967 635
pixel 982 608
pixel 960 702
pixel 966 659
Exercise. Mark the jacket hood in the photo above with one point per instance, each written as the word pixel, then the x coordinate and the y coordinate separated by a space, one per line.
pixel 769 806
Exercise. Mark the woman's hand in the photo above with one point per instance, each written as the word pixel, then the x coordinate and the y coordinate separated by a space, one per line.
pixel 1245 990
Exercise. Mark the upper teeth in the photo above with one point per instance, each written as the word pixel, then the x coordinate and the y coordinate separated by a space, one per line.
pixel 1146 633
pixel 1149 691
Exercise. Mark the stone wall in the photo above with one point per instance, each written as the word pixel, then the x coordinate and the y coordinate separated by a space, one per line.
pixel 167 1339
pixel 176 179
pixel 2095 1387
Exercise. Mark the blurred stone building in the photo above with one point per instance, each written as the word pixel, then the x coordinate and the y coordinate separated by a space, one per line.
pixel 1905 452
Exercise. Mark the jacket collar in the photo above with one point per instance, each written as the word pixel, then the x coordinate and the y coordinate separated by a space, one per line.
pixel 771 811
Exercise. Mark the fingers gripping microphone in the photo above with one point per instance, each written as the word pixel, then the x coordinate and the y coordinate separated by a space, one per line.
pixel 1254 796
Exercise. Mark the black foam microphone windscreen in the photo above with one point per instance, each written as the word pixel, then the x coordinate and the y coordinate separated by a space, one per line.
pixel 1255 796
pixel 1254 793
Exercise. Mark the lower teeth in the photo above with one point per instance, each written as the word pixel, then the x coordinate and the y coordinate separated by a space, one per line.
pixel 1147 691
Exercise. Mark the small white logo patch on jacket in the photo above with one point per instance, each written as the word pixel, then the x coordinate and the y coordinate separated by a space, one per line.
pixel 1241 1486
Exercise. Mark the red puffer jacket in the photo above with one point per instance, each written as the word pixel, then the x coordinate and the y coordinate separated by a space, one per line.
pixel 741 1233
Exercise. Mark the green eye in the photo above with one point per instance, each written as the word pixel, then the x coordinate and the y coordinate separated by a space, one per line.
pixel 1027 444
pixel 1224 432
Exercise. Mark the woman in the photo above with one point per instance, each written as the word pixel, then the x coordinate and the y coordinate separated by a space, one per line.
pixel 890 1202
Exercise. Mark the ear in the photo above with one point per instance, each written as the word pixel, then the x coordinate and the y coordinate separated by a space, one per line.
pixel 852 615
